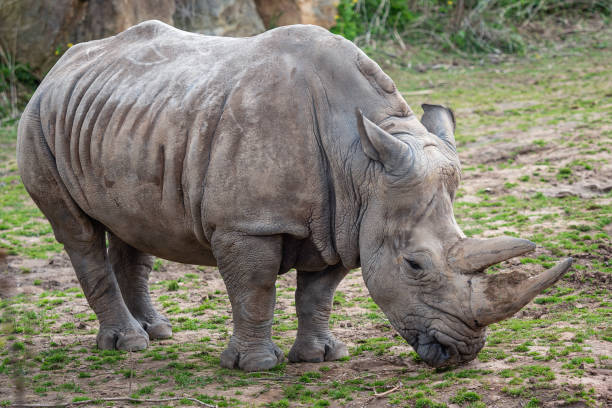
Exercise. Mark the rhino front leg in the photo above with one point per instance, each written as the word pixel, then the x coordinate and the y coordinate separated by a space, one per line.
pixel 249 266
pixel 313 300
pixel 132 269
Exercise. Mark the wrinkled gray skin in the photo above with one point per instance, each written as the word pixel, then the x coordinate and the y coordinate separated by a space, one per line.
pixel 291 149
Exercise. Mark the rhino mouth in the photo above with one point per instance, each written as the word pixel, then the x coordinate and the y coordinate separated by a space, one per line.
pixel 438 349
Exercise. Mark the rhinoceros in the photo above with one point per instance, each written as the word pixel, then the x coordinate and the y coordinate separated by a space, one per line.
pixel 290 149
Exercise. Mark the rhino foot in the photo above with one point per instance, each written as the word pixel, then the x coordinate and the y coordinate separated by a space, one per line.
pixel 317 349
pixel 158 328
pixel 130 338
pixel 250 357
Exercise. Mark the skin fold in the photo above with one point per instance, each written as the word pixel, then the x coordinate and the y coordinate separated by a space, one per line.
pixel 290 149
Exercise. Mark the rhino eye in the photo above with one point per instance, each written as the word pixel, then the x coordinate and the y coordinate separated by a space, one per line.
pixel 414 264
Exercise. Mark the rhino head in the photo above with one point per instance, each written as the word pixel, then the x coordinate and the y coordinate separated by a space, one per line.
pixel 419 267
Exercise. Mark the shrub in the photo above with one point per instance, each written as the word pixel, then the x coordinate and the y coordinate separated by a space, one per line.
pixel 468 26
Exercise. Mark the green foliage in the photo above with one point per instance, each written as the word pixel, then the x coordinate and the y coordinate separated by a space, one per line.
pixel 17 83
pixel 372 16
pixel 348 23
pixel 520 10
pixel 472 26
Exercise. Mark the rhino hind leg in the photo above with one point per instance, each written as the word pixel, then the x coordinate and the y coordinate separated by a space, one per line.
pixel 132 269
pixel 83 240
pixel 313 301
pixel 249 266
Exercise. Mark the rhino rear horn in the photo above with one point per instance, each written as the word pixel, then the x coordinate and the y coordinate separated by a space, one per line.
pixel 471 255
pixel 440 121
pixel 379 145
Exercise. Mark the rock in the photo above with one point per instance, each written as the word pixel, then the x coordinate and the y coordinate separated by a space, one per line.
pixel 37 32
pixel 31 39
pixel 276 13
pixel 39 42
pixel 105 18
pixel 237 18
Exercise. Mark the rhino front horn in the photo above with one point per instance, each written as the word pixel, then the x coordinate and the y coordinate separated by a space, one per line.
pixel 471 255
pixel 497 297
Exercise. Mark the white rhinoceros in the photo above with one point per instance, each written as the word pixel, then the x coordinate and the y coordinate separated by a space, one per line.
pixel 290 149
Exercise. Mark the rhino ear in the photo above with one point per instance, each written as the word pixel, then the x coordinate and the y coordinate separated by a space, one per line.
pixel 381 146
pixel 440 121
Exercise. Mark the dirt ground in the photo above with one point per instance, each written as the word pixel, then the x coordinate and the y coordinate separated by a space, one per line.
pixel 534 138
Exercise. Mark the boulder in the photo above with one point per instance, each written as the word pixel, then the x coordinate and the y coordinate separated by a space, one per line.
pixel 277 13
pixel 37 32
pixel 105 18
pixel 236 18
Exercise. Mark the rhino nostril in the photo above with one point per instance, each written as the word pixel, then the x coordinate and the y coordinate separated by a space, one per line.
pixel 432 351
pixel 436 355
pixel 444 352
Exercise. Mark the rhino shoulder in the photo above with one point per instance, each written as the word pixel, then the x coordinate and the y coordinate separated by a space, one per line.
pixel 303 40
pixel 148 30
pixel 298 31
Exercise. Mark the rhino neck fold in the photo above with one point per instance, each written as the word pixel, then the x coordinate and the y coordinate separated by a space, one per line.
pixel 337 150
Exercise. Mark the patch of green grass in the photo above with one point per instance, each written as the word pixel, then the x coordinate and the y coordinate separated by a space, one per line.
pixel 53 359
pixel 146 390
pixel 463 395
pixel 173 286
pixel 424 402
pixel 309 376
pixel 378 345
pixel 283 403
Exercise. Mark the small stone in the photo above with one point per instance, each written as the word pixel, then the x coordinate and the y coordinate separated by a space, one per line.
pixel 565 193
